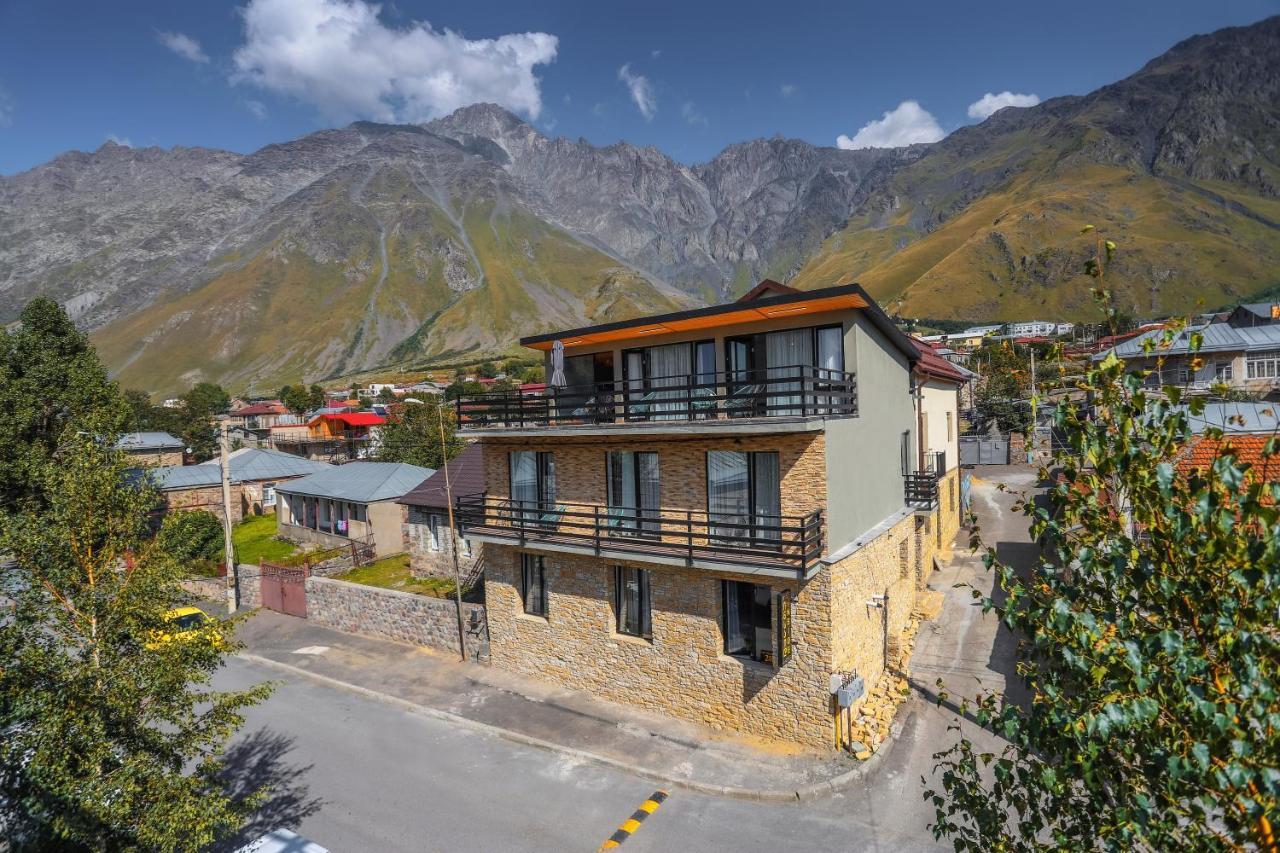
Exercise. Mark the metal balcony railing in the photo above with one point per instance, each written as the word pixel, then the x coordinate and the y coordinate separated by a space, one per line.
pixel 796 391
pixel 921 487
pixel 780 541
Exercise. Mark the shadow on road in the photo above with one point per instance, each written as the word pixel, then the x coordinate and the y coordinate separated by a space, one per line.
pixel 257 762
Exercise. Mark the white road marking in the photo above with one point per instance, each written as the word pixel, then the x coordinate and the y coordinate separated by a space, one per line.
pixel 311 650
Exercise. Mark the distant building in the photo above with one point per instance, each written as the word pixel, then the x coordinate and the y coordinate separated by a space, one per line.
pixel 1037 329
pixel 353 501
pixel 331 436
pixel 152 448
pixel 1245 358
pixel 253 473
pixel 1254 314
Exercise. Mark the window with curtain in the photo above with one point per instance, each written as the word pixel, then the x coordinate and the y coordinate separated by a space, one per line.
pixel 748 621
pixel 533 483
pixel 433 532
pixel 744 496
pixel 786 356
pixel 634 492
pixel 632 602
pixel 533 584
pixel 670 366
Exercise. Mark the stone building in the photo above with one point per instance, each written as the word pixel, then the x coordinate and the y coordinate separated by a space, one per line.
pixel 719 514
pixel 428 537
pixel 152 449
pixel 254 475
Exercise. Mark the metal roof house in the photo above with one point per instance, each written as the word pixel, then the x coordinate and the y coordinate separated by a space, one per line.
pixel 352 501
pixel 253 473
pixel 426 517
pixel 1243 357
pixel 152 448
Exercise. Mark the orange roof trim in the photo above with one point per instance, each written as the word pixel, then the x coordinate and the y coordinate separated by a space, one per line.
pixel 737 313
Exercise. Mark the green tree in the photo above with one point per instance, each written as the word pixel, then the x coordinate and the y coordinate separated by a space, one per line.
pixel 146 416
pixel 1149 645
pixel 197 426
pixel 386 395
pixel 297 399
pixel 461 388
pixel 193 538
pixel 487 370
pixel 111 741
pixel 316 397
pixel 1005 385
pixel 412 434
pixel 49 377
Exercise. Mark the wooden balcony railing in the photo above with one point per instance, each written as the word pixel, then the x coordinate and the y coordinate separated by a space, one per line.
pixel 779 541
pixel 797 391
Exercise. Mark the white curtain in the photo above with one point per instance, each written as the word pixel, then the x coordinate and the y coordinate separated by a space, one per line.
pixel 728 494
pixel 767 507
pixel 786 355
pixel 524 483
pixel 670 366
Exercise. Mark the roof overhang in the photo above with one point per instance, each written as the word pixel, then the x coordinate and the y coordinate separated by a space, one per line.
pixel 844 297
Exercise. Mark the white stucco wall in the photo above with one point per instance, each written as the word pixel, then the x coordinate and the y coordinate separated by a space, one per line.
pixel 939 402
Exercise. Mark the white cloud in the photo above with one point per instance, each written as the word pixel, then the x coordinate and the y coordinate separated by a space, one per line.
pixel 119 140
pixel 690 112
pixel 338 56
pixel 988 104
pixel 258 108
pixel 183 45
pixel 598 109
pixel 788 89
pixel 641 91
pixel 654 54
pixel 907 124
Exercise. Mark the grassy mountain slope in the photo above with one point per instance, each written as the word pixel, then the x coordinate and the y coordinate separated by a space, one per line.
pixel 1179 164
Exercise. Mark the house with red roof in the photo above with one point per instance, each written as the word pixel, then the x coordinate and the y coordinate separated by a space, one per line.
pixel 331 436
pixel 938 386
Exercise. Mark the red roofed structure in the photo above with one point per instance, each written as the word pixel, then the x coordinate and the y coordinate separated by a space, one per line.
pixel 1201 451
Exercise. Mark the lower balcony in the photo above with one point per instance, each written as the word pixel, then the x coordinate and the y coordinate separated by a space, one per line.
pixel 921 487
pixel 781 546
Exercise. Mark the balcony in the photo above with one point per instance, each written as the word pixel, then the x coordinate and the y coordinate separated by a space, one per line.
pixel 784 546
pixel 797 392
pixel 921 487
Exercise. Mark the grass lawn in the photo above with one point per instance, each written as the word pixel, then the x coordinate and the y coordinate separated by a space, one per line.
pixel 255 540
pixel 393 573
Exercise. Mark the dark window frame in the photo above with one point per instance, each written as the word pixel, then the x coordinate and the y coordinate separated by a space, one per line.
pixel 644 623
pixel 755 658
pixel 751 535
pixel 541 568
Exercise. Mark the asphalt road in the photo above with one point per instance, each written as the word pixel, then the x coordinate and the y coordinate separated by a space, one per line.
pixel 354 774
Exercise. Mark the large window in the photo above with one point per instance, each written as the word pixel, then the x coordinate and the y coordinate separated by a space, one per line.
pixel 533 485
pixel 268 495
pixel 748 621
pixel 533 584
pixel 667 382
pixel 631 602
pixel 766 370
pixel 744 496
pixel 1263 365
pixel 632 479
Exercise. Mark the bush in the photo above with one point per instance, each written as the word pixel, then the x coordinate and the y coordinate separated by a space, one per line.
pixel 191 536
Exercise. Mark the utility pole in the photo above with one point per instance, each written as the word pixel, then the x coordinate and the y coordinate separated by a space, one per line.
pixel 229 552
pixel 453 532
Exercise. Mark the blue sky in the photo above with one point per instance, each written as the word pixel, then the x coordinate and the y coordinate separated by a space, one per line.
pixel 687 77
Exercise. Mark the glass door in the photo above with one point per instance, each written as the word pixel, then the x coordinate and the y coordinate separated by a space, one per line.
pixel 533 485
pixel 633 493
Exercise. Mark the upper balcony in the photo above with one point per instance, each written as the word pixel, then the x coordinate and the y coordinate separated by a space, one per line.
pixel 745 543
pixel 796 392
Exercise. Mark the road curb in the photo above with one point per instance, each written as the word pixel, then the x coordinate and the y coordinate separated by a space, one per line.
pixel 815 791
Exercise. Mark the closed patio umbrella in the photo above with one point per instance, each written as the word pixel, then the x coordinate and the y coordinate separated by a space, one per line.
pixel 557 365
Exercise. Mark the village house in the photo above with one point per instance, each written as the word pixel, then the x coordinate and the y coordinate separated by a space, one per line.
pixel 427 535
pixel 152 448
pixel 1240 353
pixel 355 501
pixel 720 514
pixel 254 475
pixel 939 385
pixel 331 436
pixel 261 416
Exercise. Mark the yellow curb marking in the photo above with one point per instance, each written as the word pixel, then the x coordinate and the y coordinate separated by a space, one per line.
pixel 632 823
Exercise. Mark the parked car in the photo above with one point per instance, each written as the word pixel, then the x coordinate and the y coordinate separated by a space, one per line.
pixel 186 624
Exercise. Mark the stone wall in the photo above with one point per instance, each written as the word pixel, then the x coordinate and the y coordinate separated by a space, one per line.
pixel 683 670
pixel 249 585
pixel 208 498
pixel 155 458
pixel 435 559
pixel 393 615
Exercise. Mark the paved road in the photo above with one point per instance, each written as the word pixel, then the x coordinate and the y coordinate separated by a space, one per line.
pixel 355 774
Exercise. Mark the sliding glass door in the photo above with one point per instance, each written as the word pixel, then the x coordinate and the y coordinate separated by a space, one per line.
pixel 744 496
pixel 668 382
pixel 782 373
pixel 533 485
pixel 634 495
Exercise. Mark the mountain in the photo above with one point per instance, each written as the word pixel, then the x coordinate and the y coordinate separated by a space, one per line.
pixel 376 246
pixel 1179 164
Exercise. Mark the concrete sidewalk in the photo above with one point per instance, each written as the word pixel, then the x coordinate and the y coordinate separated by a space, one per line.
pixel 661 749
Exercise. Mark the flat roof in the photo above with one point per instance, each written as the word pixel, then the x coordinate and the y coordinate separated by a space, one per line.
pixel 731 313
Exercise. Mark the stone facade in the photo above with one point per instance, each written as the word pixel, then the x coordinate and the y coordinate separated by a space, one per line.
pixel 155 458
pixel 433 556
pixel 393 615
pixel 208 499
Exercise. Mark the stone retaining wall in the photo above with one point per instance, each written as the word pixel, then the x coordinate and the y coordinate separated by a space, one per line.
pixel 393 615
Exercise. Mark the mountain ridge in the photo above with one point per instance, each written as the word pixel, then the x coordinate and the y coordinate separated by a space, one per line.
pixel 373 245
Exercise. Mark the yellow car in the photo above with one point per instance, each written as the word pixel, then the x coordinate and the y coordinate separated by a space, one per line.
pixel 187 623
